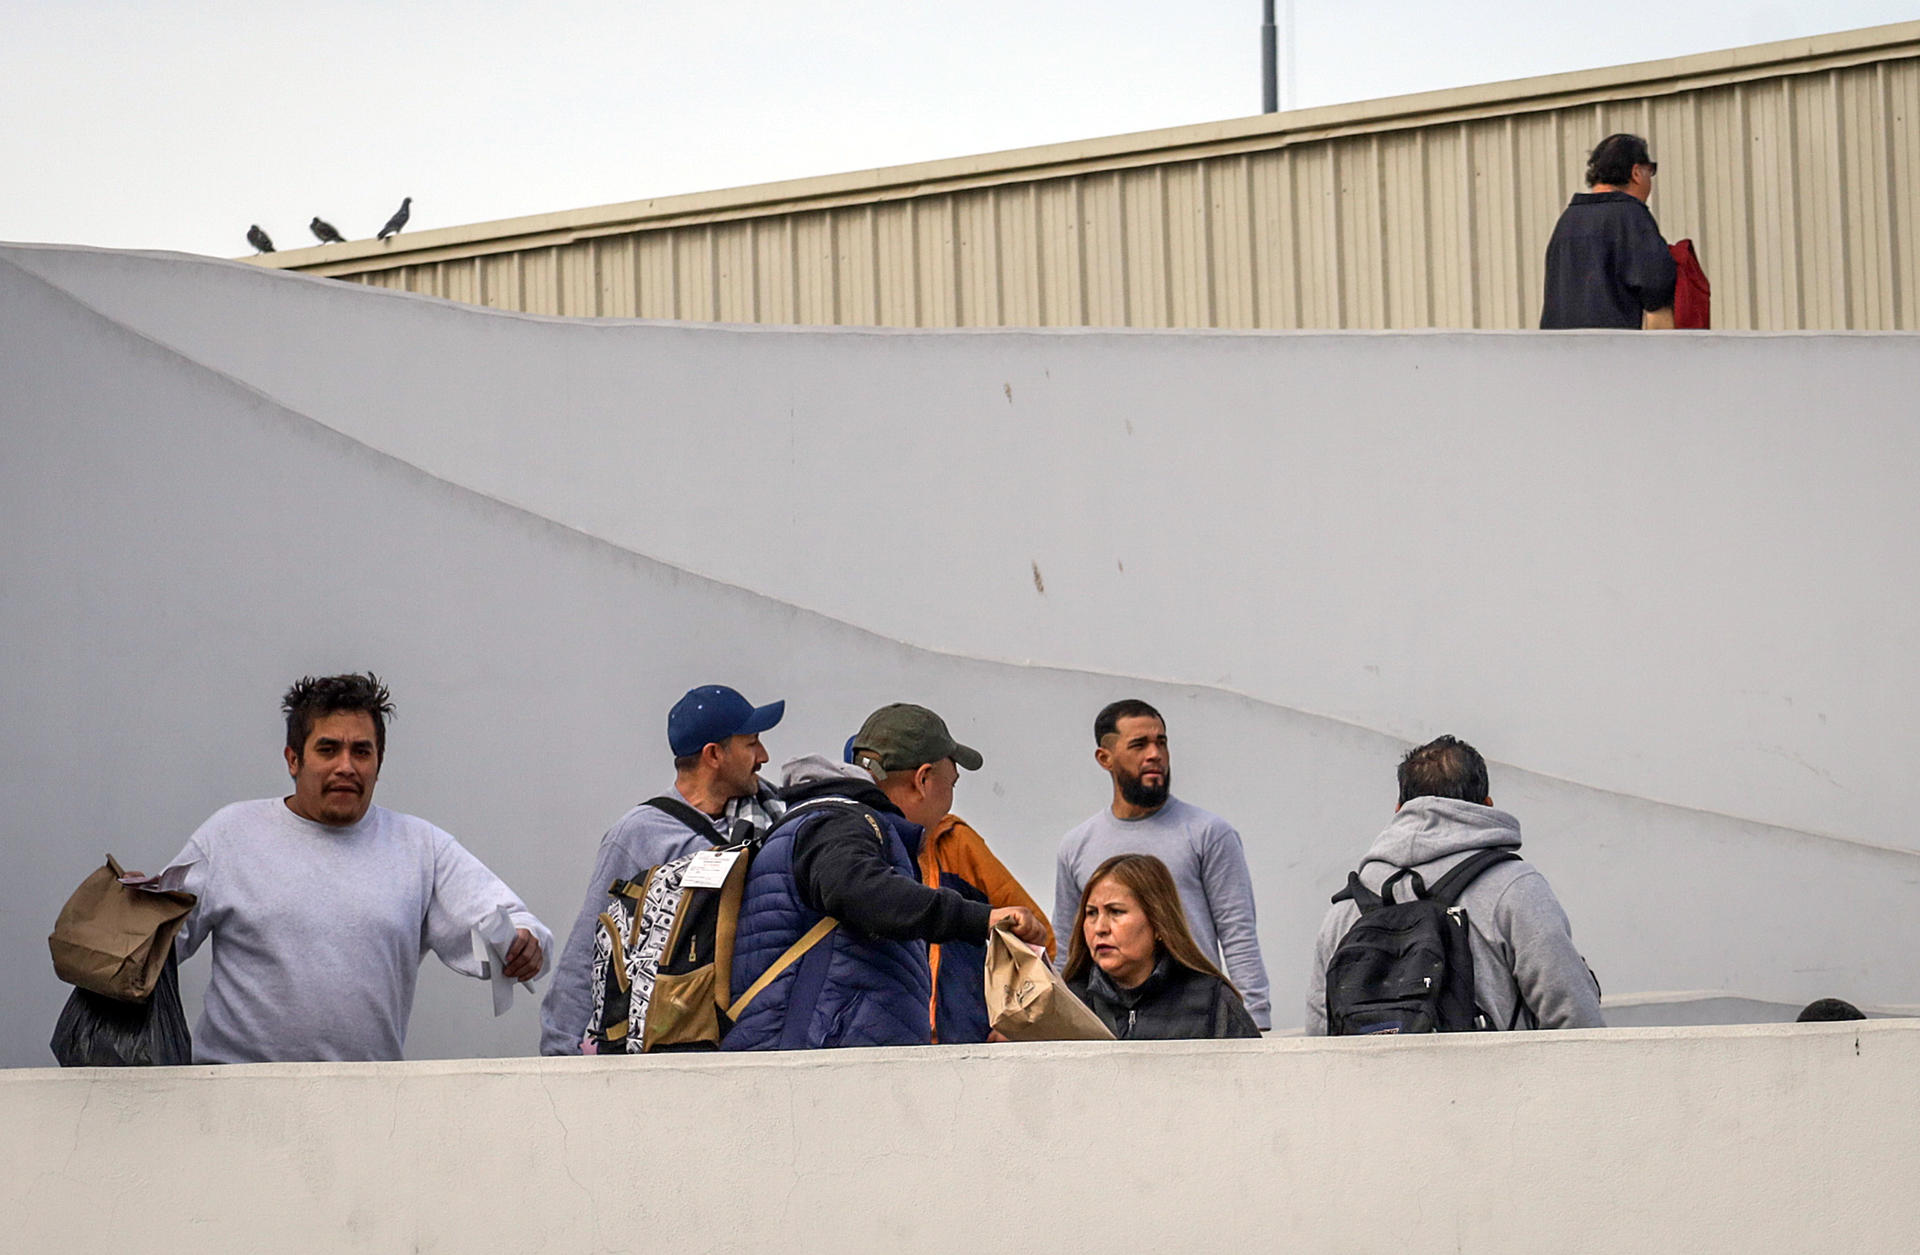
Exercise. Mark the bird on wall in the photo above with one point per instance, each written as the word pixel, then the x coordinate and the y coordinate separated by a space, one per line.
pixel 324 232
pixel 259 239
pixel 398 220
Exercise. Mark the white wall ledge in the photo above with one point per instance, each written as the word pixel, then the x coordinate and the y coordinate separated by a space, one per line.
pixel 1783 1137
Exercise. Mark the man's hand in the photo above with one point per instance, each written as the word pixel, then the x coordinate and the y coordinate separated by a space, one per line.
pixel 523 957
pixel 1023 924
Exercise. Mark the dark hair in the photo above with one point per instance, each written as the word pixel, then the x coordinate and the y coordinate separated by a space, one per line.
pixel 1444 767
pixel 1148 879
pixel 1107 722
pixel 314 696
pixel 1613 159
pixel 1823 1009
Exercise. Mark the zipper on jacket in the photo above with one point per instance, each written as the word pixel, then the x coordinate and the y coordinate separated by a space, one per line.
pixel 930 877
pixel 1130 1015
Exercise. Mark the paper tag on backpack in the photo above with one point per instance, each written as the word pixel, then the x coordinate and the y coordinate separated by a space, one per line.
pixel 708 869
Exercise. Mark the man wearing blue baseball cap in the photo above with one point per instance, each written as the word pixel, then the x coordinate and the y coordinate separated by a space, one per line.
pixel 716 798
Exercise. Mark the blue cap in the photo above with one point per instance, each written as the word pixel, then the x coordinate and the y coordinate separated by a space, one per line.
pixel 714 713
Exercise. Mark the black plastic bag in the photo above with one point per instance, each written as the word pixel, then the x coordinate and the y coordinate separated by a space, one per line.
pixel 95 1031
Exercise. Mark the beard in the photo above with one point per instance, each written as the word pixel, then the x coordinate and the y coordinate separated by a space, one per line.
pixel 1139 793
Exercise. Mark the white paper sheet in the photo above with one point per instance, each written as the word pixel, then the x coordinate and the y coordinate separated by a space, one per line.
pixel 172 879
pixel 492 938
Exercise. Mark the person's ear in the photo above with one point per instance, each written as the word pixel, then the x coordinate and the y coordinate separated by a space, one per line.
pixel 710 755
pixel 1488 801
pixel 293 760
pixel 1103 756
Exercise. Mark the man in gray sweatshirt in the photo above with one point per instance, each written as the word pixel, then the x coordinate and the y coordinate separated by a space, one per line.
pixel 1201 849
pixel 1526 972
pixel 321 905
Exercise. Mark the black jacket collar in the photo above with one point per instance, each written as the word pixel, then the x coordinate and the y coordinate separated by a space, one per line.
pixel 1145 991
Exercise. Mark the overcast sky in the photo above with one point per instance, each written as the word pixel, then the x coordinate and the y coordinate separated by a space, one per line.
pixel 174 125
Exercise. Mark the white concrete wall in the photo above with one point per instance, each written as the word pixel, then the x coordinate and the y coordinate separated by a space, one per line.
pixel 1662 581
pixel 1787 1138
pixel 1570 536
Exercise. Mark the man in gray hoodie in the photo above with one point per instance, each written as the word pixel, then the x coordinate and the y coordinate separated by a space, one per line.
pixel 1526 972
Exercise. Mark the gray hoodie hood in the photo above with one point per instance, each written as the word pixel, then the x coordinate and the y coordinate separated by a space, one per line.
pixel 814 768
pixel 1429 828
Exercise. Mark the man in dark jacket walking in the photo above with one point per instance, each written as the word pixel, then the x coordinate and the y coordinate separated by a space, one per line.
pixel 846 852
pixel 1606 263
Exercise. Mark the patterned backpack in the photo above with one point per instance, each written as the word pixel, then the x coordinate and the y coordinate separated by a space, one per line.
pixel 663 955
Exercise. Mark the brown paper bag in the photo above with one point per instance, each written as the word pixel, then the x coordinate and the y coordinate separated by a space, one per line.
pixel 1027 1000
pixel 112 938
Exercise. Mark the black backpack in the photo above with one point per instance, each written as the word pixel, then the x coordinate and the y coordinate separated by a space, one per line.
pixel 1406 967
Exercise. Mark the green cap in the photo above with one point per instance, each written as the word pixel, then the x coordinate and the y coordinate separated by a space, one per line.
pixel 904 735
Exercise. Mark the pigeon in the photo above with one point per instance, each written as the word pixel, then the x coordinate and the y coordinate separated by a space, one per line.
pixel 398 220
pixel 324 232
pixel 259 240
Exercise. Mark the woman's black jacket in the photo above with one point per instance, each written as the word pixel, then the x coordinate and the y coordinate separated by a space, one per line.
pixel 1174 1002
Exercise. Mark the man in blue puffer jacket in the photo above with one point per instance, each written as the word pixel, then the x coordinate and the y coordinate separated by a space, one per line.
pixel 846 852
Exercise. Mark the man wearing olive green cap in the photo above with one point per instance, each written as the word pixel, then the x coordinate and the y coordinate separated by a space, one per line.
pixel 951 855
pixel 835 894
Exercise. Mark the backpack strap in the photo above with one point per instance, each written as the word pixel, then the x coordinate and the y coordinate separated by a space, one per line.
pixel 1447 890
pixel 793 954
pixel 616 954
pixel 636 892
pixel 687 815
pixel 1358 894
pixel 1405 873
pixel 1367 900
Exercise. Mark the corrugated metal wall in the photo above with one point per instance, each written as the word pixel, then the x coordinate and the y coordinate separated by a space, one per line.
pixel 1794 168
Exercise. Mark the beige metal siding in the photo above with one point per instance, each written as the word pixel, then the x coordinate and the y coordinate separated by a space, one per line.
pixel 1795 168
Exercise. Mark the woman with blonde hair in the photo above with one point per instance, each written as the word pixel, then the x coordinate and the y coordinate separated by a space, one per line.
pixel 1134 963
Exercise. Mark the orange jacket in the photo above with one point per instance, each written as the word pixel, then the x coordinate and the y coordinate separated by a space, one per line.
pixel 952 851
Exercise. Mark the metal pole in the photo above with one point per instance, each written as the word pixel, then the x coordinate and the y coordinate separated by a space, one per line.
pixel 1269 62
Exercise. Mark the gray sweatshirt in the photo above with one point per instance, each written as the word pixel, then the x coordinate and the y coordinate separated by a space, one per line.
pixel 318 931
pixel 1521 940
pixel 1209 868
